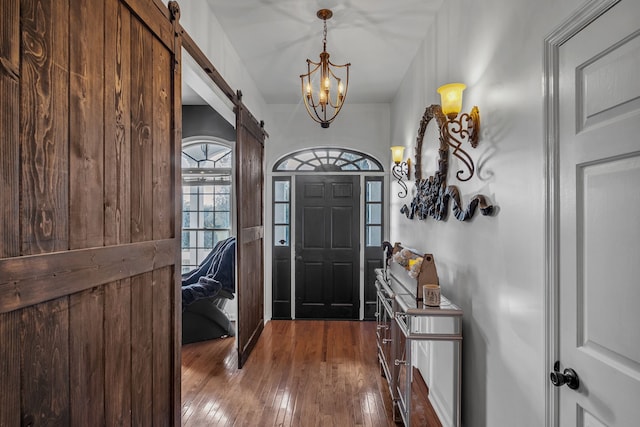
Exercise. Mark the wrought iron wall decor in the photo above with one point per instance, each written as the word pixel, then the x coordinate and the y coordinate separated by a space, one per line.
pixel 433 194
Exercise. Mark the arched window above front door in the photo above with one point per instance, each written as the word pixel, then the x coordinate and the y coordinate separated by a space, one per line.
pixel 327 160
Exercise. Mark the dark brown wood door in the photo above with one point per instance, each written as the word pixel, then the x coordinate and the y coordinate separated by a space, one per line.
pixel 327 247
pixel 250 250
pixel 89 254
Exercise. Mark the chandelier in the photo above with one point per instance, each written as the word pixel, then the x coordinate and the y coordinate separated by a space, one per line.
pixel 325 102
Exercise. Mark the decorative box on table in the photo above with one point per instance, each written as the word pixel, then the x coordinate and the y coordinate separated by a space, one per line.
pixel 420 267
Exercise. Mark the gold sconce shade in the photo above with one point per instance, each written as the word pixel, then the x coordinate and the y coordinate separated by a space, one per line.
pixel 397 153
pixel 451 98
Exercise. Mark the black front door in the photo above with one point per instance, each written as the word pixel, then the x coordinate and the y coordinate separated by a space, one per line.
pixel 327 247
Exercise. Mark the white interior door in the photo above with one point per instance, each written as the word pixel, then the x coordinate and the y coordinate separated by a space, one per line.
pixel 599 265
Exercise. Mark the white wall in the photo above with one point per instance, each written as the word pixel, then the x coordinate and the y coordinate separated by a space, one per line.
pixel 493 267
pixel 362 127
pixel 206 31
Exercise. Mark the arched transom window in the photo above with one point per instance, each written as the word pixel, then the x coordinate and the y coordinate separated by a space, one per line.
pixel 327 160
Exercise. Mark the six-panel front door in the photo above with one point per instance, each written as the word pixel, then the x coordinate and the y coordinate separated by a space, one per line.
pixel 327 247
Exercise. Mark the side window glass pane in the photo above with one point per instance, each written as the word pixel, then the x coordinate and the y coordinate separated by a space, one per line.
pixel 281 235
pixel 374 213
pixel 374 235
pixel 281 213
pixel 281 193
pixel 374 191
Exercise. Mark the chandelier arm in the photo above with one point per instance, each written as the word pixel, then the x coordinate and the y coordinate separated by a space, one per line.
pixel 347 65
pixel 305 97
pixel 312 113
pixel 337 106
pixel 308 75
pixel 317 64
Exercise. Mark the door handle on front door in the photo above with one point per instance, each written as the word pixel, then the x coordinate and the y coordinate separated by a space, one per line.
pixel 568 377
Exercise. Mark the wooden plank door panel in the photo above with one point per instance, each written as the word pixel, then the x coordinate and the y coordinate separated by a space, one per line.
pixel 44 364
pixel 10 368
pixel 117 124
pixel 117 352
pixel 86 109
pixel 250 247
pixel 9 129
pixel 89 251
pixel 44 120
pixel 86 320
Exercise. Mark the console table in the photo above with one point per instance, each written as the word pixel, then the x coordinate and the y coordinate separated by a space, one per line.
pixel 401 321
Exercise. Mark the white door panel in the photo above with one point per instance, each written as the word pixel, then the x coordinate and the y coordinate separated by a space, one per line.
pixel 599 265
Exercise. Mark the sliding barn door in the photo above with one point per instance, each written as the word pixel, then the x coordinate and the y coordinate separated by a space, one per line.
pixel 89 255
pixel 250 259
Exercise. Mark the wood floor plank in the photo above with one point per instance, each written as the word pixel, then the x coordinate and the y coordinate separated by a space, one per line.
pixel 301 373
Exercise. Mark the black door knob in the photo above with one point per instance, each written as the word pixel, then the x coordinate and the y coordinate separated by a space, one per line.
pixel 568 377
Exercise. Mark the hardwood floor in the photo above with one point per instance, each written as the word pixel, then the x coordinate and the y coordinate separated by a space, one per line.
pixel 301 373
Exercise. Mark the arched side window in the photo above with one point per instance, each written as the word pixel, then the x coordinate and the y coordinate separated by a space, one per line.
pixel 327 160
pixel 206 198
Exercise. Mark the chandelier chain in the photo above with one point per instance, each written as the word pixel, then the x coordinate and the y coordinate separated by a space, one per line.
pixel 324 35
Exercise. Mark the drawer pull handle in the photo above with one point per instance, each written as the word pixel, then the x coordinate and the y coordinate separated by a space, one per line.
pixel 382 327
pixel 401 362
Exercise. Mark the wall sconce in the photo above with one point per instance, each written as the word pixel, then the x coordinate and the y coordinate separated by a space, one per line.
pixel 457 129
pixel 400 169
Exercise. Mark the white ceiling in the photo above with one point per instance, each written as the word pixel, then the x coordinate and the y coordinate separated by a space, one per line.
pixel 275 37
